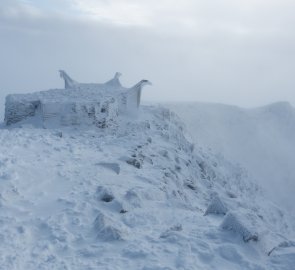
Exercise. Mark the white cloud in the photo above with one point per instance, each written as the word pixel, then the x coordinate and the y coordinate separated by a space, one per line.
pixel 118 12
pixel 192 16
pixel 15 9
pixel 186 17
pixel 239 52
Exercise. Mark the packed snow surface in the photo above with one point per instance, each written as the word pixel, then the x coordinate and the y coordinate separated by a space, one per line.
pixel 136 195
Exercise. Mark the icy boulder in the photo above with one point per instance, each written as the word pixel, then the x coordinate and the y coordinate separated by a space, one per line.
pixel 216 206
pixel 233 222
pixel 79 103
pixel 106 229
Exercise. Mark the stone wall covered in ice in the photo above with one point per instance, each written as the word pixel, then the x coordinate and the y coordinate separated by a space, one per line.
pixel 17 110
pixel 77 104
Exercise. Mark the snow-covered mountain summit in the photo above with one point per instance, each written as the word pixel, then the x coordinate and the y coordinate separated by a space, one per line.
pixel 135 195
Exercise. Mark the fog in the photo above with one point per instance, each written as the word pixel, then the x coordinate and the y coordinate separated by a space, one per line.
pixel 222 51
pixel 260 140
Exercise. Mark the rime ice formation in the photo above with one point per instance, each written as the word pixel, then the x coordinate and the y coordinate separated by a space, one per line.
pixel 78 103
pixel 216 206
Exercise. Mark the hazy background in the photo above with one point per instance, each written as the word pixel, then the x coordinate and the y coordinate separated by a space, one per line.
pixel 261 140
pixel 229 51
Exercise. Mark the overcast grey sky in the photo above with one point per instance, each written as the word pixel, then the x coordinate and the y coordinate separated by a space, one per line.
pixel 229 51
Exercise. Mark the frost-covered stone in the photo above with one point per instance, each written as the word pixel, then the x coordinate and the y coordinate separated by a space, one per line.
pixel 105 228
pixel 18 108
pixel 216 206
pixel 133 198
pixel 233 223
pixel 78 103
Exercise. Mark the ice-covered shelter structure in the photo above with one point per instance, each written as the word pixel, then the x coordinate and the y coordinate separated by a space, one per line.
pixel 77 103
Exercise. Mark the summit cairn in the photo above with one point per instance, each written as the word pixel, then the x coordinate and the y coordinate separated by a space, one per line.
pixel 77 104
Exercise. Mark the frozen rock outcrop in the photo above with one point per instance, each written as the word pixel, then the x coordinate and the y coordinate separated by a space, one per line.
pixel 216 207
pixel 106 228
pixel 232 222
pixel 78 103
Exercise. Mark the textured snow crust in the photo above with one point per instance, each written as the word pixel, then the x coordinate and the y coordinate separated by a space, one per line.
pixel 131 196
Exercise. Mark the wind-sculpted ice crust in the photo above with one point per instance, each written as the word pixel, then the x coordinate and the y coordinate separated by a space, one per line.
pixel 77 104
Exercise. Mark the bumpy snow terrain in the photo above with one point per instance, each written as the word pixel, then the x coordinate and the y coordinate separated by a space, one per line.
pixel 261 139
pixel 137 195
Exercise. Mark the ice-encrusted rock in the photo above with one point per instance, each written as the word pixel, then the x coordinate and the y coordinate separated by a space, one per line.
pixel 106 229
pixel 133 198
pixel 216 206
pixel 233 223
pixel 17 109
pixel 79 103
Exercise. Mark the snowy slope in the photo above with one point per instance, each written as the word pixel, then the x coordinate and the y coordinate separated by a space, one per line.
pixel 134 196
pixel 261 140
